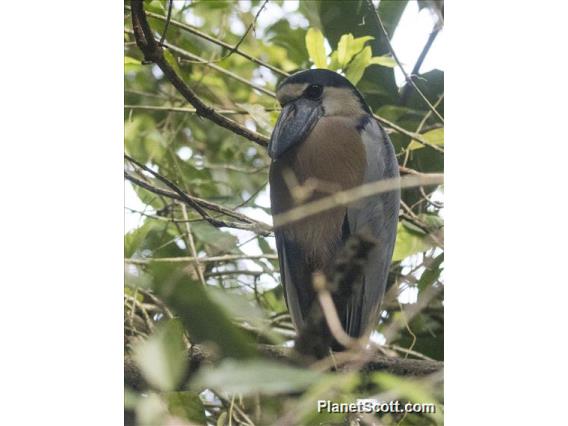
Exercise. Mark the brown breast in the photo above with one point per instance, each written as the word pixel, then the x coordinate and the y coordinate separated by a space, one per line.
pixel 331 159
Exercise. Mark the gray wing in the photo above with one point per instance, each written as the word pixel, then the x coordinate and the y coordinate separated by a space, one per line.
pixel 295 278
pixel 376 216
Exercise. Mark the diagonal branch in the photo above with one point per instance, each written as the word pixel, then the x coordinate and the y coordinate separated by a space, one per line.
pixel 379 24
pixel 236 49
pixel 196 203
pixel 344 198
pixel 153 52
pixel 419 61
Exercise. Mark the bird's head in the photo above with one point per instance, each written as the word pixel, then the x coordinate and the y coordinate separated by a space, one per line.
pixel 307 96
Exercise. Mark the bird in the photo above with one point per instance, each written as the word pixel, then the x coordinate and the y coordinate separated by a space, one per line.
pixel 326 140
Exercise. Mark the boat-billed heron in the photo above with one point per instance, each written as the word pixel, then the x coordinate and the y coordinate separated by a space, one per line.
pixel 326 138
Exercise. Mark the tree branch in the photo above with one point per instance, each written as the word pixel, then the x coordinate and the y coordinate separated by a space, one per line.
pixel 195 58
pixel 197 203
pixel 134 378
pixel 380 25
pixel 191 110
pixel 153 53
pixel 218 42
pixel 225 258
pixel 419 61
pixel 349 196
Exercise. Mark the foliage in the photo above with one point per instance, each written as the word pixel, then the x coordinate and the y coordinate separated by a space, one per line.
pixel 231 299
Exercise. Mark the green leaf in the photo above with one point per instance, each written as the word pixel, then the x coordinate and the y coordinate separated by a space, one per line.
pixel 240 308
pixel 357 67
pixel 333 62
pixel 435 137
pixel 131 61
pixel 316 47
pixel 205 321
pixel 348 47
pixel 431 274
pixel 163 356
pixel 293 40
pixel 337 387
pixel 412 390
pixel 171 59
pixel 131 64
pixel 342 48
pixel 186 405
pixel 384 61
pixel 222 418
pixel 408 243
pixel 156 6
pixel 213 237
pixel 249 377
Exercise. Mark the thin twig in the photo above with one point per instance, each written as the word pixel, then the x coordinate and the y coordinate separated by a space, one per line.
pixel 218 42
pixel 379 23
pixel 420 60
pixel 349 196
pixel 168 18
pixel 192 250
pixel 153 52
pixel 249 225
pixel 225 258
pixel 252 24
pixel 194 202
pixel 331 316
pixel 414 136
pixel 192 110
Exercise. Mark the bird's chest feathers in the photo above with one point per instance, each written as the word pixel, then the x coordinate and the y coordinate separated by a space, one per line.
pixel 331 159
pixel 332 154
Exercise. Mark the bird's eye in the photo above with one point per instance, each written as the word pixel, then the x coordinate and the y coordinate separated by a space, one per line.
pixel 313 91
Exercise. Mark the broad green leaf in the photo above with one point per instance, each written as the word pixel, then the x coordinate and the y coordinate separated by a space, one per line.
pixel 213 237
pixel 134 239
pixel 237 306
pixel 186 405
pixel 408 243
pixel 385 61
pixel 156 6
pixel 131 64
pixel 357 67
pixel 205 321
pixel 240 308
pixel 342 48
pixel 293 40
pixel 163 356
pixel 333 62
pixel 435 137
pixel 348 47
pixel 258 375
pixel 316 47
pixel 412 390
pixel 338 388
pixel 131 61
pixel 431 274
